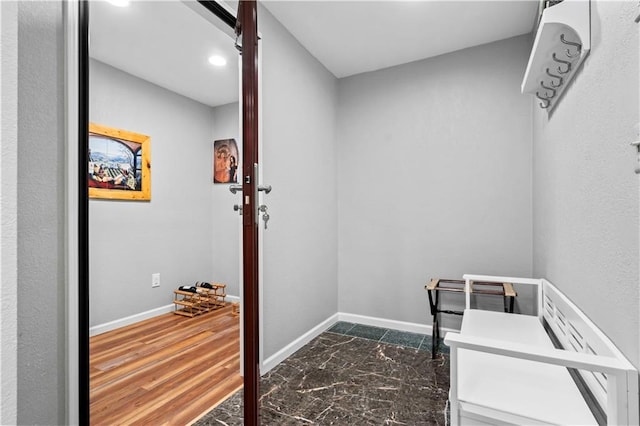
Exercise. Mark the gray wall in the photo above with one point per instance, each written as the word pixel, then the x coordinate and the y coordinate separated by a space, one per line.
pixel 585 191
pixel 586 206
pixel 9 213
pixel 434 177
pixel 41 286
pixel 171 234
pixel 300 270
pixel 226 221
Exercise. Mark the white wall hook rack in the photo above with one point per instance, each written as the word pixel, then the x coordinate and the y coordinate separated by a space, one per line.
pixel 563 40
pixel 636 144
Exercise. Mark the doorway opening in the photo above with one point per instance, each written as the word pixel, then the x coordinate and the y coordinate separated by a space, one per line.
pixel 112 237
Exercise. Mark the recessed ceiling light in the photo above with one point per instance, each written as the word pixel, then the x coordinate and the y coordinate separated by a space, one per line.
pixel 119 3
pixel 217 60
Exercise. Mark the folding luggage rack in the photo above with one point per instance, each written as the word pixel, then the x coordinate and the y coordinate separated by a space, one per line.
pixel 438 285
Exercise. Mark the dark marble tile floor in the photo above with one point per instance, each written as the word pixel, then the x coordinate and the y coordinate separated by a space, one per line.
pixel 402 338
pixel 341 378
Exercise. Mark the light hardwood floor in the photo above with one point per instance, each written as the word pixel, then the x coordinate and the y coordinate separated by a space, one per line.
pixel 166 370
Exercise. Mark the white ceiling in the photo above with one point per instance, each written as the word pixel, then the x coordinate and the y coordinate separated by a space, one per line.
pixel 169 44
pixel 352 37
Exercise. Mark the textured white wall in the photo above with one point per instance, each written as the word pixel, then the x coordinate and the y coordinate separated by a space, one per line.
pixel 41 260
pixel 8 212
pixel 300 264
pixel 226 221
pixel 170 235
pixel 434 177
pixel 585 191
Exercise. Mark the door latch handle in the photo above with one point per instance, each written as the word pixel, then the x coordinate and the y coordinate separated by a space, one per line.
pixel 235 188
pixel 265 188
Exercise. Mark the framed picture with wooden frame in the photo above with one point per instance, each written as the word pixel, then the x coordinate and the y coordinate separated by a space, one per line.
pixel 119 164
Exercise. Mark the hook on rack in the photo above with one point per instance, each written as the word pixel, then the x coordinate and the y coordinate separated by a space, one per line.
pixel 560 82
pixel 553 91
pixel 560 61
pixel 578 47
pixel 543 99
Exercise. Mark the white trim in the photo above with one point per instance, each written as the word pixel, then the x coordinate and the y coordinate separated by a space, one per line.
pixel 9 213
pixel 241 230
pixel 71 64
pixel 512 280
pixel 206 14
pixel 261 230
pixel 132 319
pixel 565 358
pixel 298 343
pixel 478 414
pixel 411 327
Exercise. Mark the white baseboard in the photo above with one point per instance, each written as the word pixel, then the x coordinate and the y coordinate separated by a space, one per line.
pixel 132 319
pixel 298 343
pixel 112 325
pixel 386 323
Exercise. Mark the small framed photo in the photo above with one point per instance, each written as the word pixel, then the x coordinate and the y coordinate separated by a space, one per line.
pixel 119 164
pixel 225 161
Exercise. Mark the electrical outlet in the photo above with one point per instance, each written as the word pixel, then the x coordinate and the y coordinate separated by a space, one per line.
pixel 155 280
